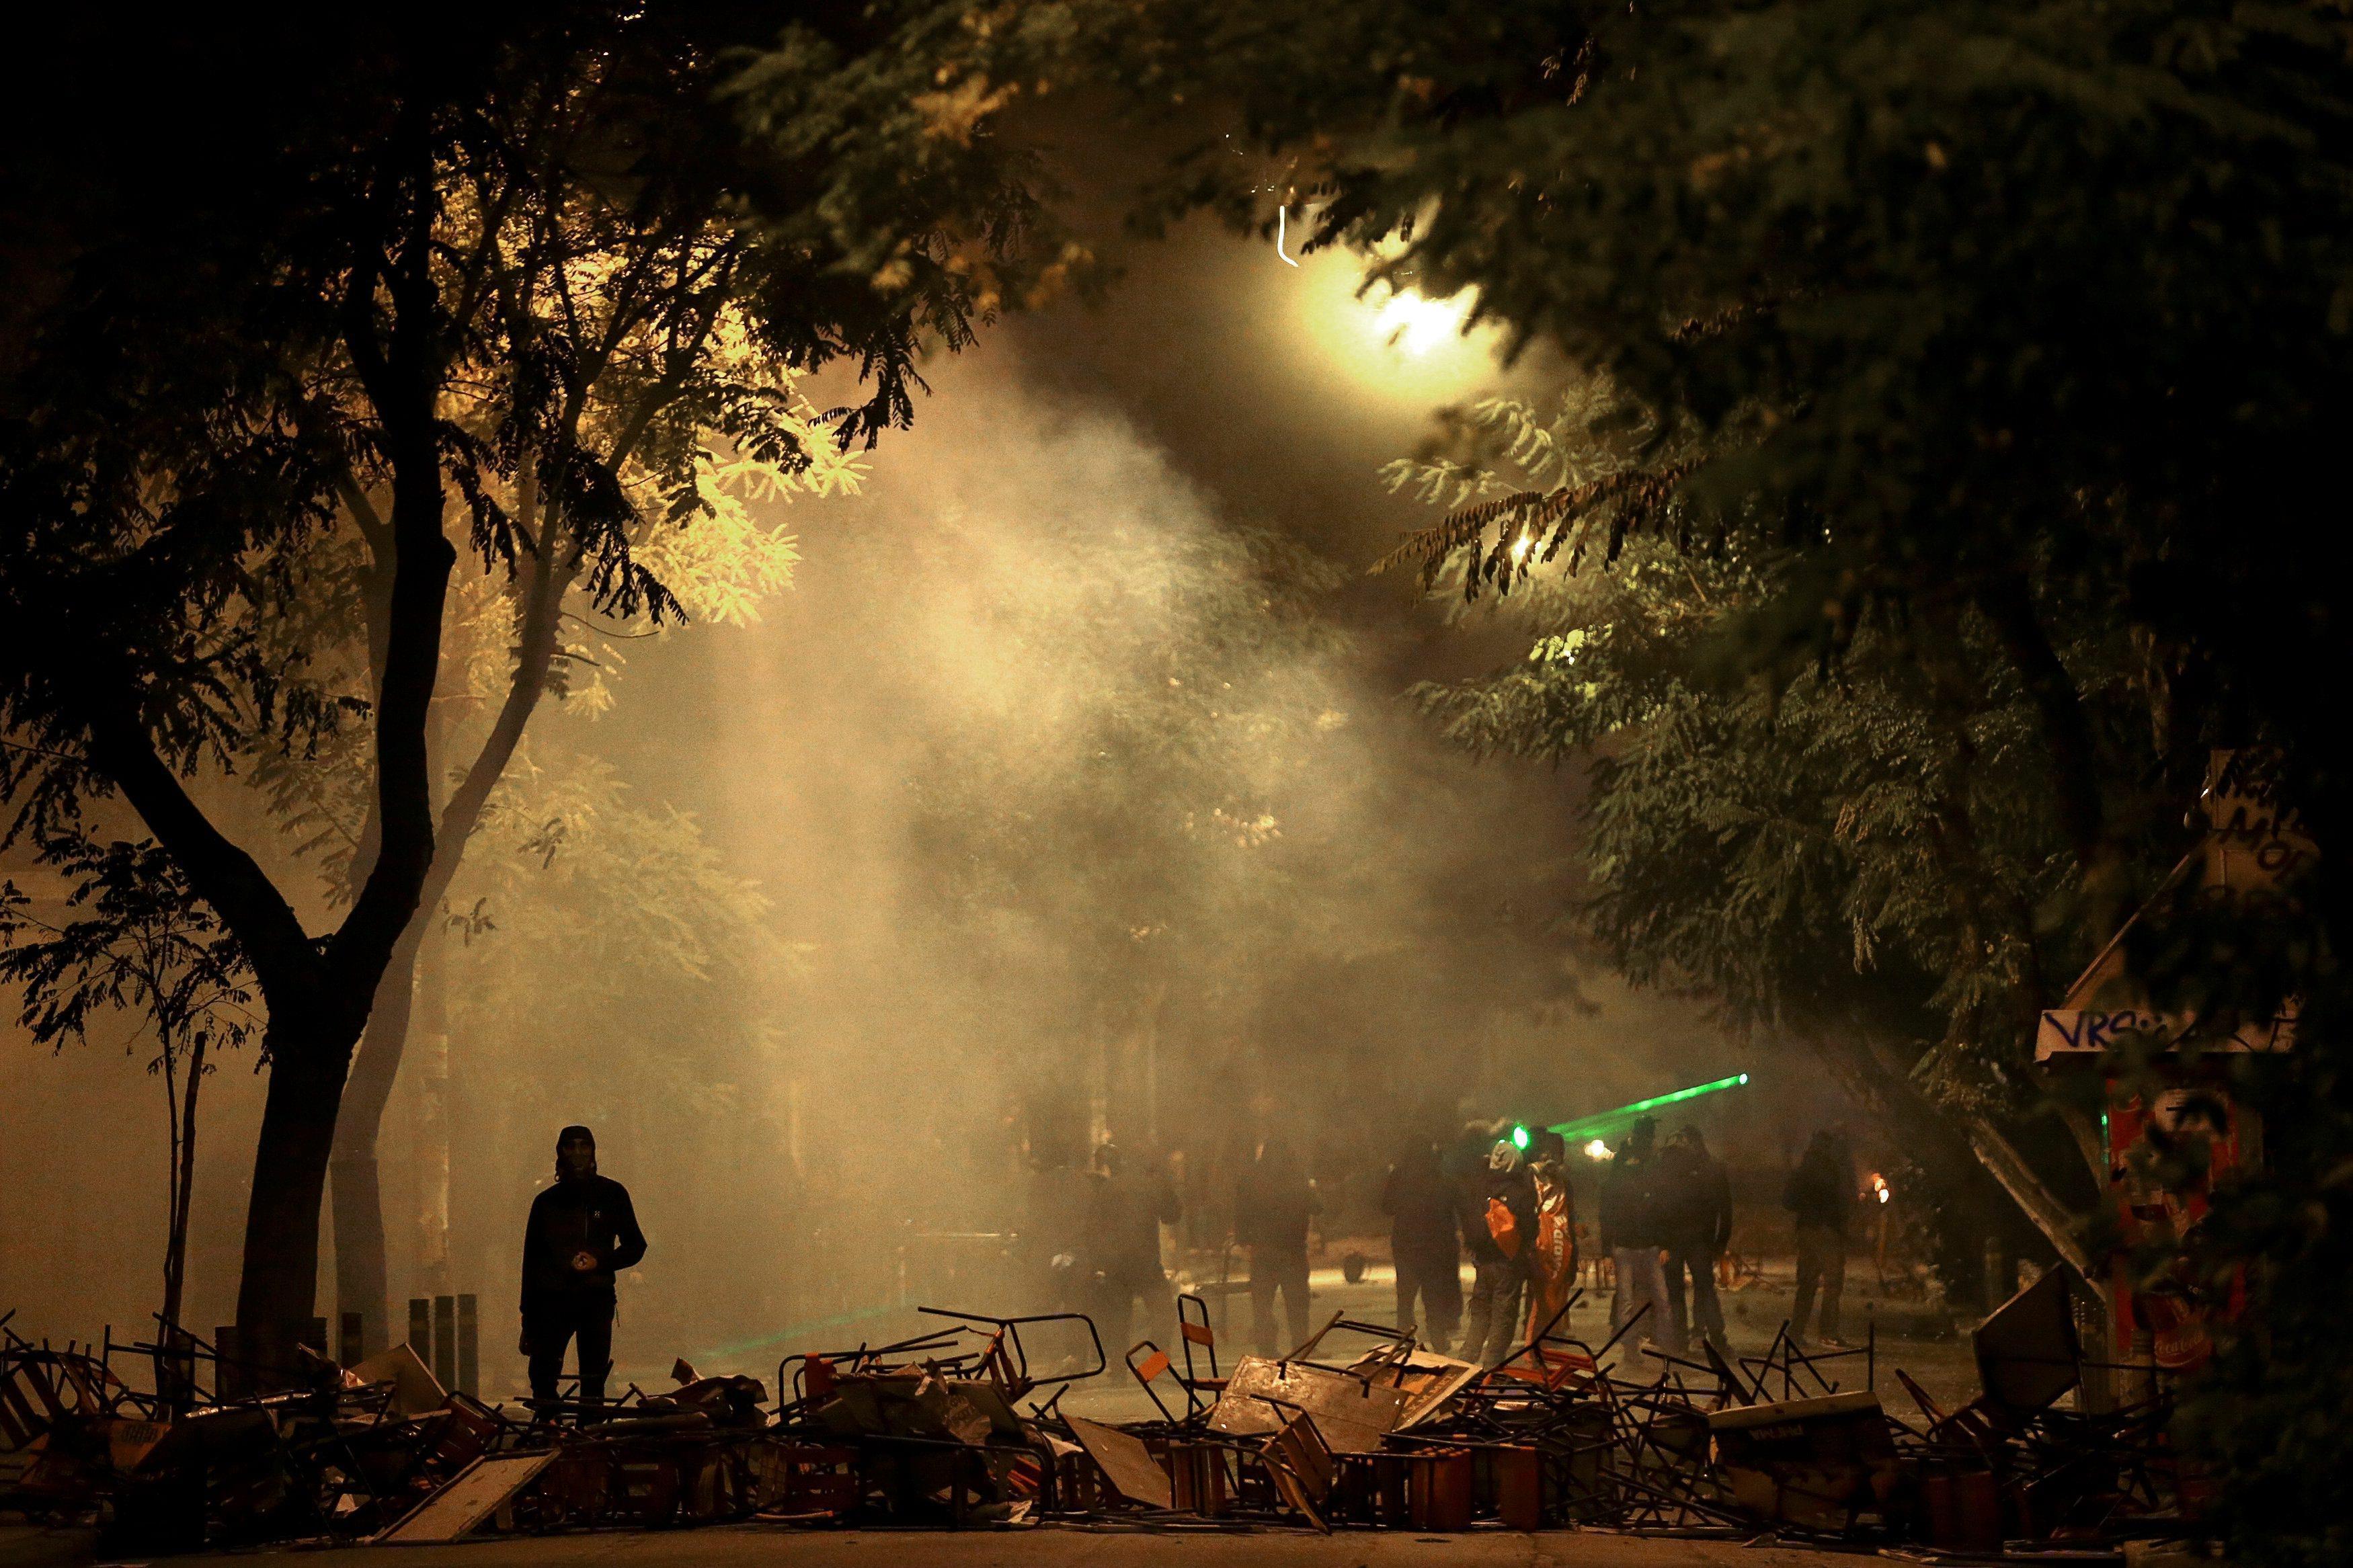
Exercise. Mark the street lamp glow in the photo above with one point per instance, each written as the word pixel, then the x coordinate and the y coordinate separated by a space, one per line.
pixel 1389 344
pixel 1417 325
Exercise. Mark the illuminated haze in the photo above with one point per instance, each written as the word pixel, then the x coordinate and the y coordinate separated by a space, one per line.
pixel 1067 793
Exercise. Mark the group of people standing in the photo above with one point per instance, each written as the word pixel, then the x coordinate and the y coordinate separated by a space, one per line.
pixel 1664 1223
pixel 1514 1213
pixel 1666 1219
pixel 1125 1205
pixel 1511 1208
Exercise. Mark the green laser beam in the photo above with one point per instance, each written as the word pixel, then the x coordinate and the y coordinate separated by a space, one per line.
pixel 1594 1123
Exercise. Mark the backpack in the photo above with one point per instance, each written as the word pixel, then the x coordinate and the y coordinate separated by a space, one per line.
pixel 1504 1228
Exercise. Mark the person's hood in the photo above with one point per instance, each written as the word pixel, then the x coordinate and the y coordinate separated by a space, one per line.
pixel 587 1164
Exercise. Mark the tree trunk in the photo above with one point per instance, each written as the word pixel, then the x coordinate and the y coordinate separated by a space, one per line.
pixel 276 1295
pixel 2049 1213
pixel 363 1282
pixel 362 1274
pixel 183 1181
pixel 431 1028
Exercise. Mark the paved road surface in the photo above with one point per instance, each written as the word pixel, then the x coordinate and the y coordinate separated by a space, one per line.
pixel 759 1546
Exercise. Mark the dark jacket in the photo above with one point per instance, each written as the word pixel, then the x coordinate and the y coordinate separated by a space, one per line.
pixel 1125 1213
pixel 1695 1203
pixel 1629 1200
pixel 1420 1203
pixel 1820 1191
pixel 1517 1188
pixel 592 1215
pixel 1273 1198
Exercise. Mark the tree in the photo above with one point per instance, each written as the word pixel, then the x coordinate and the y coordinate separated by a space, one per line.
pixel 1856 859
pixel 1977 317
pixel 516 641
pixel 136 940
pixel 1949 295
pixel 183 421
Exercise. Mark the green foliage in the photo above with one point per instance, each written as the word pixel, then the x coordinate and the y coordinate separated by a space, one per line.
pixel 1867 841
pixel 530 268
pixel 135 938
pixel 601 264
pixel 2003 344
pixel 585 897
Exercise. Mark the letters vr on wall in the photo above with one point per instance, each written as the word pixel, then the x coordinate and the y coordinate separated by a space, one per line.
pixel 2252 843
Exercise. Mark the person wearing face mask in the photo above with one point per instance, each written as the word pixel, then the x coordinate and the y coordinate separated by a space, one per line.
pixel 583 1231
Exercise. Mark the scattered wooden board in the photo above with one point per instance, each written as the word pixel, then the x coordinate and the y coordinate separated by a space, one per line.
pixel 415 1390
pixel 1129 1465
pixel 1428 1378
pixel 471 1496
pixel 1352 1413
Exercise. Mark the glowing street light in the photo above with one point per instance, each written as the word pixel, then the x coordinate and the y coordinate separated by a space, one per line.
pixel 1391 342
pixel 1418 324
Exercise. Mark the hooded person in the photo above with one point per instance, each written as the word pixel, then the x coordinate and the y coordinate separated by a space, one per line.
pixel 1419 1202
pixel 1506 1221
pixel 1629 1234
pixel 582 1232
pixel 1819 1198
pixel 1694 1226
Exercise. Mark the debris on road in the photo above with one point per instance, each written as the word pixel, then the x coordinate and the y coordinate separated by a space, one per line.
pixel 1359 1427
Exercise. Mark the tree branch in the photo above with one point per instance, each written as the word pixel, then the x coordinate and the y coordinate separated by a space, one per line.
pixel 221 872
pixel 404 392
pixel 543 610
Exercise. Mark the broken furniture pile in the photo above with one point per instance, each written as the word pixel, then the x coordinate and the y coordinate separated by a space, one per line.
pixel 966 1425
pixel 178 1465
pixel 1363 1428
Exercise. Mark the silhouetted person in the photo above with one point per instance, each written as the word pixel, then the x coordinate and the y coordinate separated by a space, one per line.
pixel 1420 1203
pixel 1273 1200
pixel 1054 1228
pixel 1125 1209
pixel 1820 1197
pixel 581 1233
pixel 1630 1232
pixel 1504 1221
pixel 1695 1225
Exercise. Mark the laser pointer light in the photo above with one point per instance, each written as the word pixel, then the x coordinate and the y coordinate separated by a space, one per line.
pixel 1587 1125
